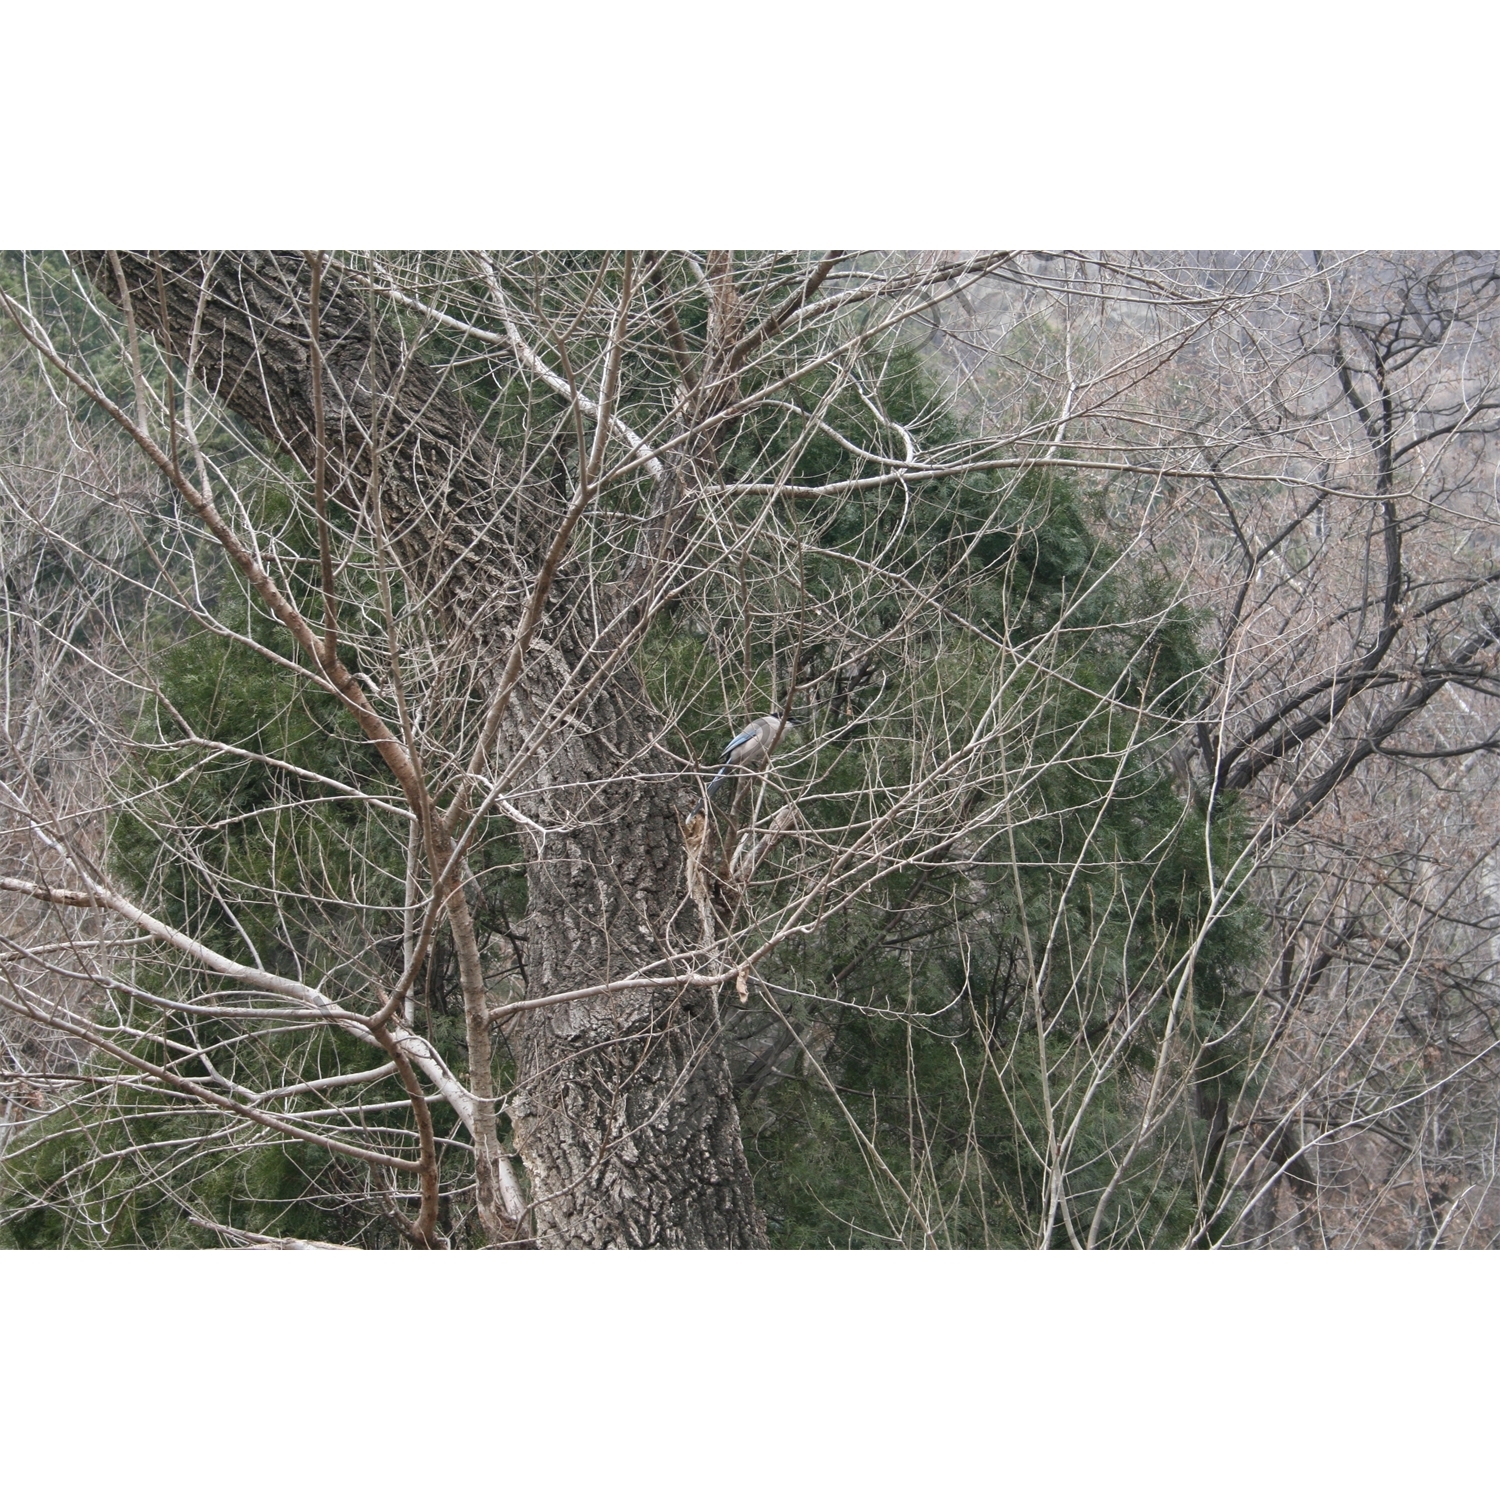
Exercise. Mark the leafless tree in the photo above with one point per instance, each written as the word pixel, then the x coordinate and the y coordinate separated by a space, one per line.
pixel 1313 440
pixel 538 531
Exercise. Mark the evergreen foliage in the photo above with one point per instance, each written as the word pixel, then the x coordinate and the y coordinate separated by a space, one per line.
pixel 929 1041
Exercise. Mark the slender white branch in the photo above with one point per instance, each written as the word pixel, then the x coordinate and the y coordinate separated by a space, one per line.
pixel 532 361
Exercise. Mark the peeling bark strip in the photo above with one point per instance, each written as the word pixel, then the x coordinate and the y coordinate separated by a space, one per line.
pixel 624 1117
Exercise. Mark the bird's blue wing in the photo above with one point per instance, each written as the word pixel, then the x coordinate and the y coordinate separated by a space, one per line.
pixel 742 738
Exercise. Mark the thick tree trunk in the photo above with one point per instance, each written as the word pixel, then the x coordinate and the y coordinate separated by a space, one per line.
pixel 623 1117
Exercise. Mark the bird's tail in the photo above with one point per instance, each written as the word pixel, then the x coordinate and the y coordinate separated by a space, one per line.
pixel 703 800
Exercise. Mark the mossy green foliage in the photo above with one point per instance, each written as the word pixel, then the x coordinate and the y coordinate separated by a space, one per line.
pixel 139 1170
pixel 940 1099
pixel 270 867
pixel 926 1096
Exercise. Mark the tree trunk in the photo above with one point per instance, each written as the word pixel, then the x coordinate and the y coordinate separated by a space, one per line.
pixel 623 1115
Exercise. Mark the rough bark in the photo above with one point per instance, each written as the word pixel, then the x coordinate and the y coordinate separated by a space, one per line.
pixel 623 1116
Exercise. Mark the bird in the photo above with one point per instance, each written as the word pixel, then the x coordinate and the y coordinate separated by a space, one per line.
pixel 749 747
